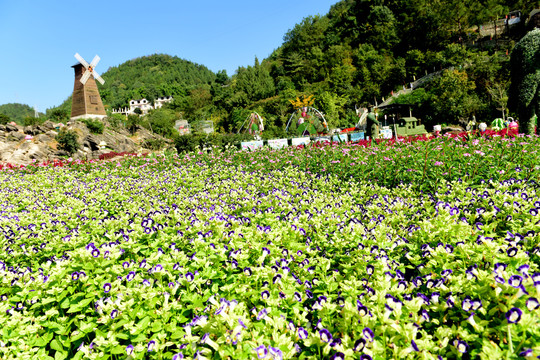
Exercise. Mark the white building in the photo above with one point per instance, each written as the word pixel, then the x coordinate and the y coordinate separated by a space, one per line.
pixel 144 105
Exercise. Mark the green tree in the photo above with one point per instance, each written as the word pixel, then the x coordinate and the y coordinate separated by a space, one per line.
pixel 162 121
pixel 132 122
pixel 255 81
pixel 451 97
pixel 59 115
pixel 4 119
pixel 525 84
pixel 31 121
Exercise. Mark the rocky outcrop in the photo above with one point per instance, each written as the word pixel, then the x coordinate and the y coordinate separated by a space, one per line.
pixel 23 145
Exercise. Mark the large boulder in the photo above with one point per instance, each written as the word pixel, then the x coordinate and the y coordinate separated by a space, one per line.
pixel 11 128
pixel 49 125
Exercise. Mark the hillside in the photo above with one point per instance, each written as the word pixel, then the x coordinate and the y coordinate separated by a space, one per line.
pixel 17 112
pixel 149 77
pixel 358 54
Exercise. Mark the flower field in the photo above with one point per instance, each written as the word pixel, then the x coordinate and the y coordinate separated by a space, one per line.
pixel 420 250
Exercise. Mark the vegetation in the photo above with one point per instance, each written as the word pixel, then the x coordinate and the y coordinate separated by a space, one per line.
pixel 32 121
pixel 17 112
pixel 289 254
pixel 525 89
pixel 4 119
pixel 358 54
pixel 67 141
pixel 94 125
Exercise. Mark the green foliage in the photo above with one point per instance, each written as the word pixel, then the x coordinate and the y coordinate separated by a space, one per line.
pixel 154 144
pixel 161 121
pixel 188 143
pixel 67 141
pixel 17 112
pixel 357 54
pixel 132 122
pixel 58 115
pixel 94 125
pixel 31 121
pixel 525 86
pixel 4 119
pixel 115 120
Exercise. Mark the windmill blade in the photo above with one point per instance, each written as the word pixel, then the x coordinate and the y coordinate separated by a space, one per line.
pixel 85 77
pixel 98 78
pixel 95 61
pixel 81 60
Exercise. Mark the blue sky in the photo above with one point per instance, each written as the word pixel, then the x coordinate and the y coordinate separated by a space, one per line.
pixel 39 38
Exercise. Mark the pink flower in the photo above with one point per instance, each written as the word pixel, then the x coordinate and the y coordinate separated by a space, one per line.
pixel 438 163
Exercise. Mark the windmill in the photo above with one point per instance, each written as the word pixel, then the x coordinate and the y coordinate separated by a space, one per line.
pixel 86 100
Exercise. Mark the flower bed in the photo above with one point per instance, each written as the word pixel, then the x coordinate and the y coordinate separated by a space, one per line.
pixel 296 253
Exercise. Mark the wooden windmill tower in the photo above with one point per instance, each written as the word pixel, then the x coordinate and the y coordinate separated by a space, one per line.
pixel 86 100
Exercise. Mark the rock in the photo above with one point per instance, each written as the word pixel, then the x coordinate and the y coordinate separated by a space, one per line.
pixel 49 125
pixel 40 129
pixel 11 128
pixel 15 136
pixel 51 133
pixel 29 130
pixel 91 142
pixel 43 138
pixel 61 153
pixel 2 127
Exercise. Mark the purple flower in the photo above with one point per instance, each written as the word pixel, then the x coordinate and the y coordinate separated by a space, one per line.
pixel 532 304
pixel 414 346
pixel 242 323
pixel 297 296
pixel 265 294
pixel 114 313
pixel 262 314
pixel 302 333
pixel 466 304
pixel 190 276
pixel 338 356
pixel 129 350
pixel 365 357
pixel 107 287
pixel 247 271
pixel 512 251
pixel 513 315
pixel 325 335
pixel 261 351
pixel 526 353
pixel 75 276
pixel 95 253
pixel 130 276
pixel 461 346
pixel 151 345
pixel 368 334
pixel 178 356
pixel 291 326
pixel 276 353
pixel 359 345
pixel 515 281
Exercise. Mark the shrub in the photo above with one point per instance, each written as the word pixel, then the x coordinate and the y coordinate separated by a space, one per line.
pixel 186 143
pixel 67 141
pixel 31 121
pixel 4 119
pixel 154 144
pixel 95 126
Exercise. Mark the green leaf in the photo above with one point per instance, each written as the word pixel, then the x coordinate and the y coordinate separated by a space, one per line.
pixel 55 345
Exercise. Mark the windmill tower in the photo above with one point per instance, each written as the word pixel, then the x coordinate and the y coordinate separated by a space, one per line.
pixel 86 100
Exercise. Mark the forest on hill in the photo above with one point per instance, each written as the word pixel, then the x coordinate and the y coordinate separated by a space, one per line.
pixel 16 112
pixel 356 55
